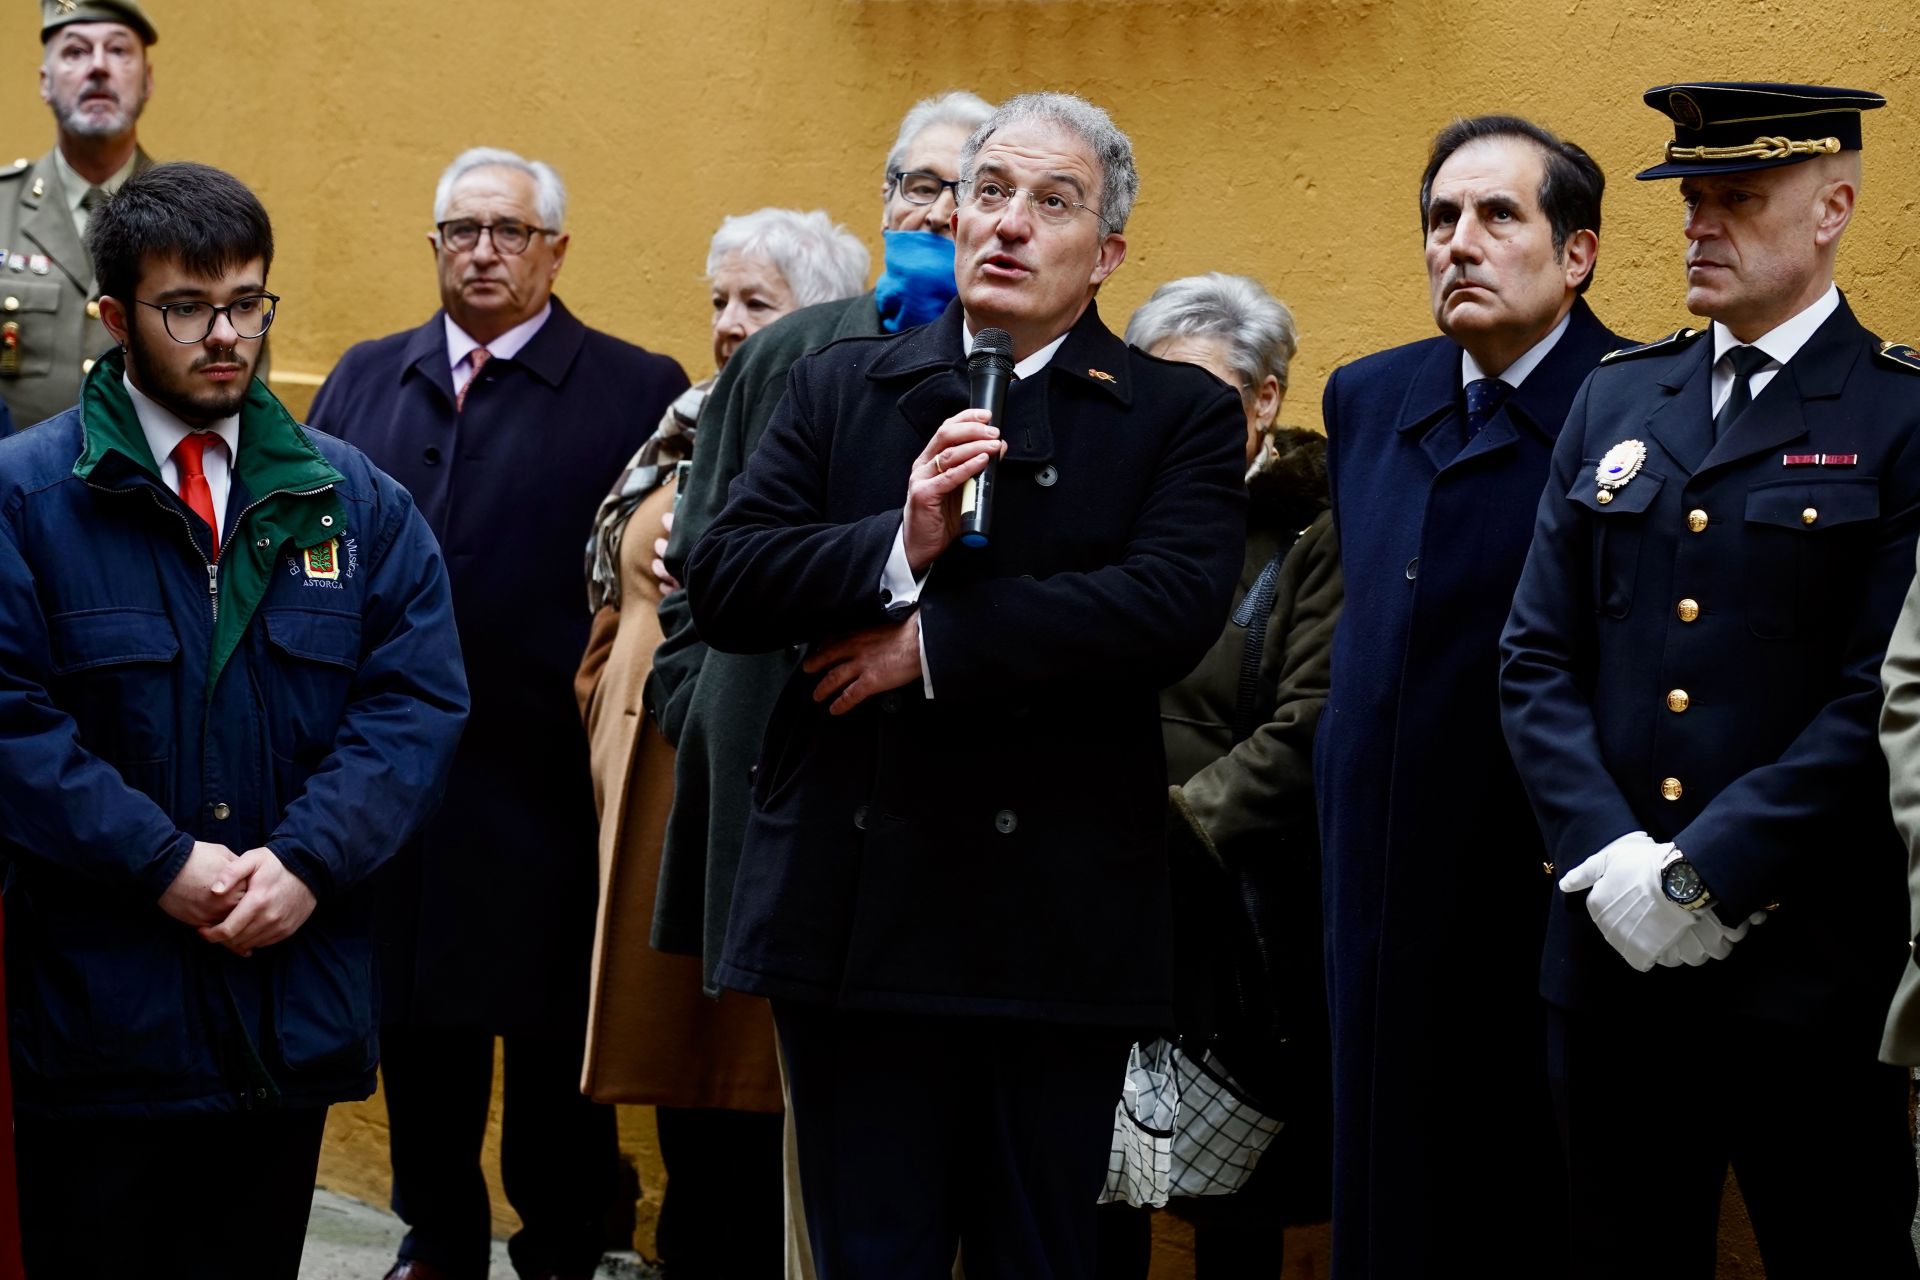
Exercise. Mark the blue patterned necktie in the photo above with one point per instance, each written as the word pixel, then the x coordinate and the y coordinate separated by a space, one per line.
pixel 1484 398
pixel 1746 362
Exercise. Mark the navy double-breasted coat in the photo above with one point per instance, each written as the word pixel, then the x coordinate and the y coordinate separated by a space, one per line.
pixel 492 914
pixel 1000 848
pixel 1434 896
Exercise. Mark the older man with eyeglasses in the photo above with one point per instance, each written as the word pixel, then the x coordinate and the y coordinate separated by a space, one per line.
pixel 954 882
pixel 507 419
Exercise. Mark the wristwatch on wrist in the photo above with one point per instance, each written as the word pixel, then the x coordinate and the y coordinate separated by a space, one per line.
pixel 1682 883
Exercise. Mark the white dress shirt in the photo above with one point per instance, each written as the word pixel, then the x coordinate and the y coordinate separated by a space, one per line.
pixel 461 344
pixel 898 586
pixel 164 432
pixel 1516 373
pixel 1780 344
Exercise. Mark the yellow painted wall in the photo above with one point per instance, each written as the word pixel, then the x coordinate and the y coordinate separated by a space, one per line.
pixel 1279 139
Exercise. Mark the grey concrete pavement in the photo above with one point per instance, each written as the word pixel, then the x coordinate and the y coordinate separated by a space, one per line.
pixel 347 1240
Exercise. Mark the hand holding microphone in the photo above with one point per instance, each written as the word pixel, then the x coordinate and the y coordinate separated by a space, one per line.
pixel 966 446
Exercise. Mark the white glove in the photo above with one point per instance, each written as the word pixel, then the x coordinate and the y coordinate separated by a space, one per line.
pixel 1708 939
pixel 1633 913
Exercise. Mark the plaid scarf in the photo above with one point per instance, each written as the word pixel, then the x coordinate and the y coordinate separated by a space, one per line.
pixel 649 468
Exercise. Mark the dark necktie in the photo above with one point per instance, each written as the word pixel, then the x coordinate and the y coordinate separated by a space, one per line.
pixel 92 199
pixel 1746 362
pixel 1484 398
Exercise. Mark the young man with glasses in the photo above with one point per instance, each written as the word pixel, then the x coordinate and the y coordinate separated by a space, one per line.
pixel 954 881
pixel 229 689
pixel 508 420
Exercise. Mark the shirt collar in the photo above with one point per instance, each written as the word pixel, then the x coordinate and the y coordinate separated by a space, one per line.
pixel 460 343
pixel 1784 341
pixel 1516 373
pixel 164 429
pixel 1032 364
pixel 74 187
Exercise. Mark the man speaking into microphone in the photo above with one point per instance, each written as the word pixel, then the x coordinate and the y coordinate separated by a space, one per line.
pixel 954 885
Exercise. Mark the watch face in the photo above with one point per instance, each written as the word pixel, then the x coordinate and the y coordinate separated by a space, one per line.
pixel 1681 882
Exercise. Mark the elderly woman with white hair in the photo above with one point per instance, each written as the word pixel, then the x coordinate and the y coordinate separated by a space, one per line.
pixel 1239 735
pixel 652 1037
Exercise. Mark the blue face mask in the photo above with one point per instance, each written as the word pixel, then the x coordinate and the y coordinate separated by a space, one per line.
pixel 918 282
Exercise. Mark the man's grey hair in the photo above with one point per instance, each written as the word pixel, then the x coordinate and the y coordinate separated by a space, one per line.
pixel 820 261
pixel 549 193
pixel 1256 327
pixel 1112 151
pixel 964 110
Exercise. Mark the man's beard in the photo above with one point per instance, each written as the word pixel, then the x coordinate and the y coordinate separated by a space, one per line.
pixel 184 395
pixel 72 120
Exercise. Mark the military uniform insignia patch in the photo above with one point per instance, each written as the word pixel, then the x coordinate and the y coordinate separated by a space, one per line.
pixel 1101 374
pixel 40 264
pixel 1619 465
pixel 323 561
pixel 1901 354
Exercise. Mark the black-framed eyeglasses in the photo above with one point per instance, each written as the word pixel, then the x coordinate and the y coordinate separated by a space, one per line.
pixel 463 234
pixel 917 186
pixel 191 323
pixel 991 195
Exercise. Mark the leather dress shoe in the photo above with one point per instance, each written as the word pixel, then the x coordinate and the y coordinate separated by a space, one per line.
pixel 410 1269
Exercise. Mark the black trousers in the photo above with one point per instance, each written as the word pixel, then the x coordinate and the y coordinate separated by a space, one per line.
pixel 559 1153
pixel 190 1197
pixel 921 1136
pixel 724 1216
pixel 1653 1109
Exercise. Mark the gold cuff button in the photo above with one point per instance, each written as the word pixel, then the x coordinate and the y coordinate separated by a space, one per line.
pixel 1687 610
pixel 1809 516
pixel 93 309
pixel 1678 701
pixel 1670 789
pixel 11 304
pixel 1697 520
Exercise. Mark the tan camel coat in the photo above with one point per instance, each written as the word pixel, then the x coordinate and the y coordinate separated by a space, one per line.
pixel 652 1037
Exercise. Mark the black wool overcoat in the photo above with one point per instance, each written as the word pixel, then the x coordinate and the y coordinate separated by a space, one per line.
pixel 489 916
pixel 998 848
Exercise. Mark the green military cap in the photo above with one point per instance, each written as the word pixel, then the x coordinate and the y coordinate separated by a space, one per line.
pixel 55 14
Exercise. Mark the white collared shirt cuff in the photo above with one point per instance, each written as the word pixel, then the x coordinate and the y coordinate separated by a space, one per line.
pixel 898 586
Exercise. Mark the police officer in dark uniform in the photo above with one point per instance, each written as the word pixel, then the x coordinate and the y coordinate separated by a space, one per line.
pixel 95 79
pixel 1690 687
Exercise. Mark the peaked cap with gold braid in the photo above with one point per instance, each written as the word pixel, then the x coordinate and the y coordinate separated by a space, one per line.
pixel 1731 127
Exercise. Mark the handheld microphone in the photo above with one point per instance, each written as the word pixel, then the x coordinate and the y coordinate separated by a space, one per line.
pixel 989 370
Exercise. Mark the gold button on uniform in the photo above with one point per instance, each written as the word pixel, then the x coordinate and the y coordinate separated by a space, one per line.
pixel 222 811
pixel 1670 789
pixel 93 309
pixel 1678 701
pixel 11 304
pixel 1809 516
pixel 1688 610
pixel 1697 520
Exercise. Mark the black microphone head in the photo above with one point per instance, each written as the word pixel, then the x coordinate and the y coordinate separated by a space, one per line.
pixel 991 344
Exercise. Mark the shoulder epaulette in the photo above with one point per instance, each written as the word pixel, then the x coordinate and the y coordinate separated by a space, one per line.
pixel 1900 354
pixel 1672 342
pixel 15 169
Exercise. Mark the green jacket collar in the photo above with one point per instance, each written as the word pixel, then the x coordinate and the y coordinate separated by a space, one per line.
pixel 275 454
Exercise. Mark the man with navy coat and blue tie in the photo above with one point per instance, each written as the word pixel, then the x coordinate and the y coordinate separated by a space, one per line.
pixel 1437 451
pixel 1690 681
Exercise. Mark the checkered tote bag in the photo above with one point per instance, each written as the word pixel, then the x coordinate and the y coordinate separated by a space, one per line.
pixel 1218 1135
pixel 1140 1165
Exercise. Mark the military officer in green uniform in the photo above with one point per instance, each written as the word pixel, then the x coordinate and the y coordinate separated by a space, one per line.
pixel 95 77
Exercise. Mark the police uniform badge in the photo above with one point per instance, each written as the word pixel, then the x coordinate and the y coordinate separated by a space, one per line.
pixel 323 561
pixel 1619 465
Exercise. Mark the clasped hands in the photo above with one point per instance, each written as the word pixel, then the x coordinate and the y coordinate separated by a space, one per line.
pixel 239 902
pixel 858 666
pixel 1635 915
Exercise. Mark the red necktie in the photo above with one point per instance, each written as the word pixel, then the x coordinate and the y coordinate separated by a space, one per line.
pixel 194 490
pixel 479 356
